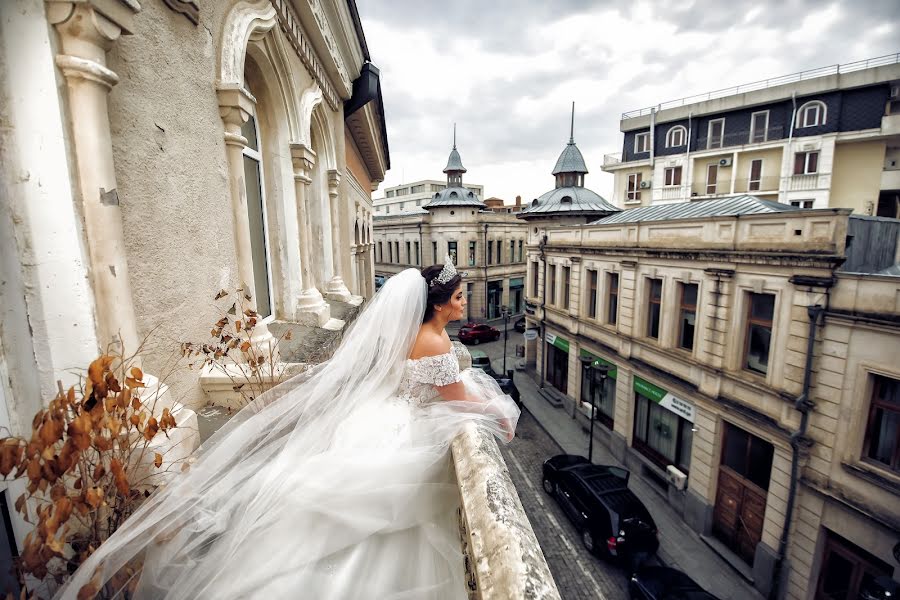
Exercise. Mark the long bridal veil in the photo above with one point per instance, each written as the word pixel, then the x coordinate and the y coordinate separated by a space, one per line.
pixel 308 487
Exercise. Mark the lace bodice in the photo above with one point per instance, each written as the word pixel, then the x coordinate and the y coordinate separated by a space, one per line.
pixel 422 376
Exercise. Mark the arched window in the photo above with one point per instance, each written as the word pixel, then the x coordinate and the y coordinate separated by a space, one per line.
pixel 812 114
pixel 676 136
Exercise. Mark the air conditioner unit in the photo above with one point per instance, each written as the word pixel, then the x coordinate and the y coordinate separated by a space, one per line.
pixel 645 185
pixel 724 162
pixel 676 477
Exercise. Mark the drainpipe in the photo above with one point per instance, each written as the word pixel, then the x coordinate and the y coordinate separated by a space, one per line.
pixel 541 246
pixel 688 168
pixel 487 259
pixel 798 439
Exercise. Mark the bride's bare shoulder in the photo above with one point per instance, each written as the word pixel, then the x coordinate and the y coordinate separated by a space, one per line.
pixel 429 343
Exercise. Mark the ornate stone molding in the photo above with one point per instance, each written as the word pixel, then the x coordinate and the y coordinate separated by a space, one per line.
pixel 185 7
pixel 303 159
pixel 299 40
pixel 75 67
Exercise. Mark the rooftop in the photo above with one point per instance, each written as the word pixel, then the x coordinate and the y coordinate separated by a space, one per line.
pixel 880 61
pixel 722 207
pixel 568 200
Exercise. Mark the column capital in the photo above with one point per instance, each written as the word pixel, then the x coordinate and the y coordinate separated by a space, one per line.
pixel 303 158
pixel 334 180
pixel 97 22
pixel 235 107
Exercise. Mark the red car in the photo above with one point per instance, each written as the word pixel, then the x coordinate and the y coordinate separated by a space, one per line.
pixel 475 333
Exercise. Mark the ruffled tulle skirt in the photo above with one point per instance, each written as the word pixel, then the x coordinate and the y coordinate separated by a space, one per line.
pixel 374 517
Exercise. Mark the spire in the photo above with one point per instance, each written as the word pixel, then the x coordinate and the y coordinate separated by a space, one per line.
pixel 571 129
pixel 454 168
pixel 454 136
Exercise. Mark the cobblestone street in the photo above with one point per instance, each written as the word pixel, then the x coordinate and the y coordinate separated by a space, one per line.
pixel 578 574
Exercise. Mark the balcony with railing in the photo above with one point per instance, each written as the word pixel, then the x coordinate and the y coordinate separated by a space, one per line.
pixel 759 185
pixel 738 138
pixel 804 182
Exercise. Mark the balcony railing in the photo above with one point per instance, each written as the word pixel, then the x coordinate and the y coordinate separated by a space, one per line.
pixel 762 184
pixel 738 138
pixel 800 183
pixel 610 160
pixel 880 61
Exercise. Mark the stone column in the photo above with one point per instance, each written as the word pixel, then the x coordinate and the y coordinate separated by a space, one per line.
pixel 235 106
pixel 311 307
pixel 85 35
pixel 336 289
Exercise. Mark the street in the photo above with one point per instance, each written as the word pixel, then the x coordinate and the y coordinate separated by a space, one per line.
pixel 577 573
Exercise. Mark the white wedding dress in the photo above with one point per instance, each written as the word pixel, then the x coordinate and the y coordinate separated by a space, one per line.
pixel 336 485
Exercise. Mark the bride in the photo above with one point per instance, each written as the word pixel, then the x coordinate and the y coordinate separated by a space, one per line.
pixel 335 484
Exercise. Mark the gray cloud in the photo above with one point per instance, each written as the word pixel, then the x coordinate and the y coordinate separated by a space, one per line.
pixel 709 40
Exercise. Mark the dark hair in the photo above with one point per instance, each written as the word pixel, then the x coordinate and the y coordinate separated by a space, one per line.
pixel 439 293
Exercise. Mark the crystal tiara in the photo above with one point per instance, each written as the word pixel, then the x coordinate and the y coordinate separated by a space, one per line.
pixel 447 273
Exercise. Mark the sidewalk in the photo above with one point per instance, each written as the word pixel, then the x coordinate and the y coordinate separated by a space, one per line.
pixel 680 547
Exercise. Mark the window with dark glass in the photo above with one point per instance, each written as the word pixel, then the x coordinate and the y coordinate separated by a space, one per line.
pixel 806 163
pixel 434 254
pixel 687 316
pixel 499 250
pixel 592 294
pixel 566 285
pixel 390 252
pixel 633 193
pixel 755 175
pixel 534 279
pixel 759 332
pixel 490 252
pixel 747 455
pixel 654 302
pixel 759 127
pixel 451 250
pixel 552 284
pixel 472 248
pixel 673 176
pixel 882 442
pixel 397 250
pixel 409 253
pixel 512 251
pixel 380 252
pixel 521 251
pixel 661 435
pixel 716 133
pixel 612 305
pixel 417 254
pixel 848 572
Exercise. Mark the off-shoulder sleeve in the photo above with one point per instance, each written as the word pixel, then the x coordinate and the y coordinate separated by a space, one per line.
pixel 439 370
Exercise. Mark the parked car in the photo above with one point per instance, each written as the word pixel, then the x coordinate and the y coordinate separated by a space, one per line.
pixel 478 333
pixel 520 325
pixel 507 385
pixel 379 281
pixel 612 521
pixel 664 583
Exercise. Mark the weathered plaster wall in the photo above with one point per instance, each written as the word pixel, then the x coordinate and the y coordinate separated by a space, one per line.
pixel 169 153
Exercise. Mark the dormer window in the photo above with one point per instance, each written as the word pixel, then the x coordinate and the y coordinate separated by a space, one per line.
pixel 454 195
pixel 534 202
pixel 812 114
pixel 676 136
pixel 566 200
pixel 642 143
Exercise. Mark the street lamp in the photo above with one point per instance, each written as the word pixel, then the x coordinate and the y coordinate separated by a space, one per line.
pixel 504 311
pixel 588 366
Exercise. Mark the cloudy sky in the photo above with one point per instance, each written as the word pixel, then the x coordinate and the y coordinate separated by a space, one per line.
pixel 506 71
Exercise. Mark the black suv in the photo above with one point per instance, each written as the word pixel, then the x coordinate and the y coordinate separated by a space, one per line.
pixel 612 521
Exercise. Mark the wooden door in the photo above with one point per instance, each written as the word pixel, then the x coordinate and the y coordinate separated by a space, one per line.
pixel 739 513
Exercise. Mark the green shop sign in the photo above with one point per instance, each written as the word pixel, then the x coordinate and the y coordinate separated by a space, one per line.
pixel 682 408
pixel 613 374
pixel 555 340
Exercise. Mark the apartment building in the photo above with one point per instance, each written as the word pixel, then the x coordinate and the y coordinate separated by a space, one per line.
pixel 409 196
pixel 754 375
pixel 488 243
pixel 827 137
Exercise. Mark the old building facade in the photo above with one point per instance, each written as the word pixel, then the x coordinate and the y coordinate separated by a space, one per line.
pixel 823 138
pixel 408 196
pixel 489 245
pixel 155 154
pixel 753 378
